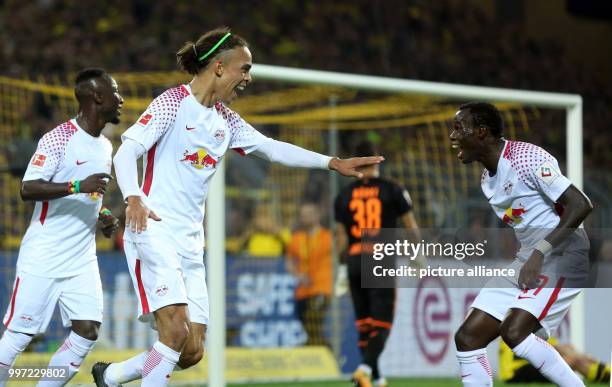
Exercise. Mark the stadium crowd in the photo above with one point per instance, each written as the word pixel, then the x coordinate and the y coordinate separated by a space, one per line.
pixel 439 41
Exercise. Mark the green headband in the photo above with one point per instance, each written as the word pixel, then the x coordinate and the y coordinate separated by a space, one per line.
pixel 215 47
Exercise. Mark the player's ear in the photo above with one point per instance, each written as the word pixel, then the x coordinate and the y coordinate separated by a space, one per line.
pixel 218 66
pixel 482 131
pixel 97 97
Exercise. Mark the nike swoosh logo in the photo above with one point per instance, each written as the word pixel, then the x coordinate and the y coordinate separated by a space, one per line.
pixel 465 376
pixel 188 128
pixel 521 297
pixel 81 162
pixel 75 365
pixel 540 367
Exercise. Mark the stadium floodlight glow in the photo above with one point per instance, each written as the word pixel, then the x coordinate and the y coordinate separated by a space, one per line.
pixel 572 103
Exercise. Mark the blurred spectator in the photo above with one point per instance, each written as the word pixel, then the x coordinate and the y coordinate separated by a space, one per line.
pixel 265 238
pixel 445 41
pixel 309 260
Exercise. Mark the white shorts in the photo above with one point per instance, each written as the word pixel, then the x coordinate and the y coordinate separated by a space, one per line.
pixel 548 304
pixel 162 277
pixel 33 301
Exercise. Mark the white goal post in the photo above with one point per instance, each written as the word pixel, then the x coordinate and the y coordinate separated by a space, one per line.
pixel 215 216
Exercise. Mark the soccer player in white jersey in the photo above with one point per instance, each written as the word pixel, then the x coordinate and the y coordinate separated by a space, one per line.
pixel 185 133
pixel 67 177
pixel 528 192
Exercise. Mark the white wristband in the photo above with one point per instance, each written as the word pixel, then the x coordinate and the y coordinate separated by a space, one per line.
pixel 544 247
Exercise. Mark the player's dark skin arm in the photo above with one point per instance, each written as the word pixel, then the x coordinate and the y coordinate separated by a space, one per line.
pixel 576 207
pixel 39 190
pixel 519 323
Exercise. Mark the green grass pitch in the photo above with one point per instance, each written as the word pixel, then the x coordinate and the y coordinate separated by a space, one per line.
pixel 394 383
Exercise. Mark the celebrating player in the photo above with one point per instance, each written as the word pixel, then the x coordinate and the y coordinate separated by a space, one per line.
pixel 67 177
pixel 526 189
pixel 370 202
pixel 185 133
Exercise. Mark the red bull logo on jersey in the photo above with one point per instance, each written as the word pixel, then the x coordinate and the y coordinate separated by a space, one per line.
pixel 200 159
pixel 513 216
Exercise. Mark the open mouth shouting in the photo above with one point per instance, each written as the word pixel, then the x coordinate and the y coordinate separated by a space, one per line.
pixel 456 145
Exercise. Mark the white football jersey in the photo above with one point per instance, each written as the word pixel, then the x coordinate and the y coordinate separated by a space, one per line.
pixel 524 191
pixel 184 141
pixel 60 240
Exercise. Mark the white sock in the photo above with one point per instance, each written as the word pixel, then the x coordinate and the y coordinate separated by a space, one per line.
pixel 71 354
pixel 382 381
pixel 159 365
pixel 475 368
pixel 126 371
pixel 365 368
pixel 545 358
pixel 11 345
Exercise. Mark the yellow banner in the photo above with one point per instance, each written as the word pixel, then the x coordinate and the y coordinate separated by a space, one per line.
pixel 242 364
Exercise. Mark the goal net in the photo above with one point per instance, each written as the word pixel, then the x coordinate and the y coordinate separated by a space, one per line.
pixel 258 207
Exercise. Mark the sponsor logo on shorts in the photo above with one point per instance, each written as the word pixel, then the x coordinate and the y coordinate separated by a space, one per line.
pixel 26 319
pixel 161 290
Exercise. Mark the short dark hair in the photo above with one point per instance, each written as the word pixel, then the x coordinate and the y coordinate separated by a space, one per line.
pixel 365 148
pixel 87 74
pixel 81 89
pixel 485 114
pixel 188 56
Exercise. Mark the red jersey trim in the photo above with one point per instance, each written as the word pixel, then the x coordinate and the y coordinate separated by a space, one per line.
pixel 43 212
pixel 72 126
pixel 148 180
pixel 141 291
pixel 552 299
pixel 240 151
pixel 506 151
pixel 10 317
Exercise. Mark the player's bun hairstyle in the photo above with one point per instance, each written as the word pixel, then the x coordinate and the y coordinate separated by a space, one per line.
pixel 365 148
pixel 485 114
pixel 188 56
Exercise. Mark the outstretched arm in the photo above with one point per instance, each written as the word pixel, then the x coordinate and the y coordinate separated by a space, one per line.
pixel 294 156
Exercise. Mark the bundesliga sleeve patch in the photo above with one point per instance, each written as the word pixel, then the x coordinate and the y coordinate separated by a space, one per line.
pixel 144 119
pixel 547 172
pixel 38 160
